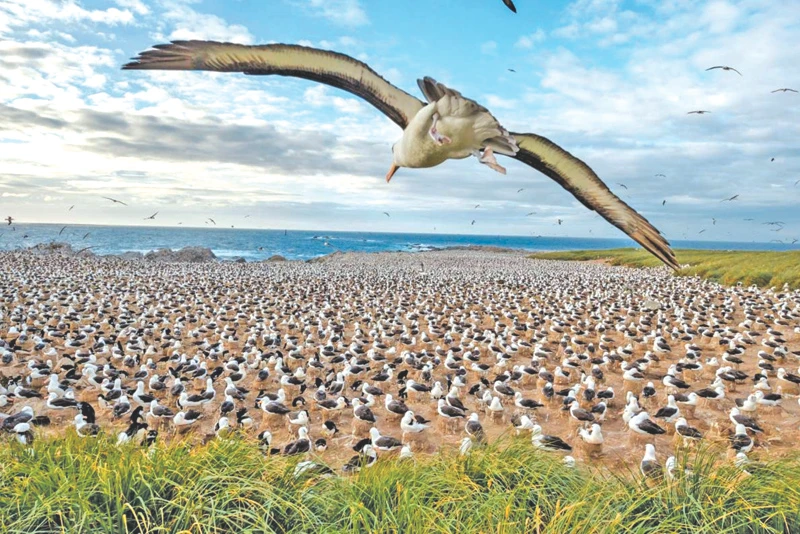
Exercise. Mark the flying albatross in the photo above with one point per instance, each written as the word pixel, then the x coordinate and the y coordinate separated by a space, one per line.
pixel 449 126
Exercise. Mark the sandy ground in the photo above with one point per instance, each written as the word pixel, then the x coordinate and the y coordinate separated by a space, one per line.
pixel 451 296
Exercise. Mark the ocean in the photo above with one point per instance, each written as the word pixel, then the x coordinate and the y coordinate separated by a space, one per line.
pixel 254 245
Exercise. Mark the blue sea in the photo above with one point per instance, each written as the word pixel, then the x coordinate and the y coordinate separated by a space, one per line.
pixel 254 245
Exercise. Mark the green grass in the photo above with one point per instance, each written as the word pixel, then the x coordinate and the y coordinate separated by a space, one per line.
pixel 91 486
pixel 764 269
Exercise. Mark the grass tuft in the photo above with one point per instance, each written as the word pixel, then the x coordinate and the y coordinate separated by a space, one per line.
pixel 762 268
pixel 92 486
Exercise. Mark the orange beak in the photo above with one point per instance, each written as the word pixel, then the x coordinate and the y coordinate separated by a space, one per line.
pixel 392 170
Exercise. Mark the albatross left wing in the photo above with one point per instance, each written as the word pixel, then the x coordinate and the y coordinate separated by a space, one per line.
pixel 579 179
pixel 331 68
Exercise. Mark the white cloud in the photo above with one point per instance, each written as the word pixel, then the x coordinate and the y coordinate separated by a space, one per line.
pixel 528 41
pixel 341 12
pixel 21 13
pixel 190 24
pixel 137 6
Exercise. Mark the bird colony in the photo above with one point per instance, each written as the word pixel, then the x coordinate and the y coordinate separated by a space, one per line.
pixel 397 354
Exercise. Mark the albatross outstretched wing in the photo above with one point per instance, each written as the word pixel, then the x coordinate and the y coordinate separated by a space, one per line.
pixel 331 68
pixel 579 179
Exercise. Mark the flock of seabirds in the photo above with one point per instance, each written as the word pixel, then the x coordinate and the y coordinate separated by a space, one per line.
pixel 398 354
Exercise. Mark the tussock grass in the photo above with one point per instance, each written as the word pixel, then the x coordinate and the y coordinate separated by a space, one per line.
pixel 91 486
pixel 763 268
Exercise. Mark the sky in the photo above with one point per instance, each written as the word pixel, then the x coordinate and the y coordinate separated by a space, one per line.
pixel 611 81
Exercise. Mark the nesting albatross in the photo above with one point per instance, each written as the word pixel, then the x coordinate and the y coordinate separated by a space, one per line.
pixel 449 126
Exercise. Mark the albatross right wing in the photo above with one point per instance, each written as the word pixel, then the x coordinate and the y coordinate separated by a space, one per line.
pixel 579 179
pixel 330 68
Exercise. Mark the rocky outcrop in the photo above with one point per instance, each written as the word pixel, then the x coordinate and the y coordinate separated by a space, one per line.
pixel 184 255
pixel 276 257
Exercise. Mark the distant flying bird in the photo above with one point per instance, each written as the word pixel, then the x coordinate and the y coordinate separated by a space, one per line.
pixel 662 175
pixel 775 223
pixel 773 159
pixel 153 216
pixel 84 250
pixel 622 185
pixel 246 216
pixel 10 219
pixel 213 221
pixel 70 208
pixel 386 213
pixel 785 89
pixel 748 219
pixel 698 112
pixel 560 221
pixel 734 197
pixel 797 182
pixel 86 235
pixel 115 201
pixel 511 70
pixel 794 241
pixel 62 230
pixel 529 214
pixel 664 202
pixel 520 190
pixel 724 68
pixel 713 221
pixel 447 126
pixel 473 222
pixel 701 231
pixel 510 5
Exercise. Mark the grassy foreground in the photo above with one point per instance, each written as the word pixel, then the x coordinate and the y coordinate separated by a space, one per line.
pixel 83 485
pixel 762 268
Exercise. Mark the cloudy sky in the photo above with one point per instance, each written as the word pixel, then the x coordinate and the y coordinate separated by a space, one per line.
pixel 609 80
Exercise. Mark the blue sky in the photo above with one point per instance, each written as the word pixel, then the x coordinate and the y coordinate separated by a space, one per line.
pixel 609 80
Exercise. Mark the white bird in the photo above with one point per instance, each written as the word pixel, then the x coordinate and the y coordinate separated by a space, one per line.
pixel 593 436
pixel 449 126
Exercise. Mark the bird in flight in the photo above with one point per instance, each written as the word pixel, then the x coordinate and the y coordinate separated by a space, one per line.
pixel 775 223
pixel 622 185
pixel 529 214
pixel 773 159
pixel 510 5
pixel 713 221
pixel 724 68
pixel 701 231
pixel 511 70
pixel 748 219
pixel 661 175
pixel 476 206
pixel 10 220
pixel 520 190
pixel 784 90
pixel 446 126
pixel 664 202
pixel 153 216
pixel 62 230
pixel 115 201
pixel 86 235
pixel 246 216
pixel 70 208
pixel 794 241
pixel 734 197
pixel 473 222
pixel 797 182
pixel 386 213
pixel 560 221
pixel 698 112
pixel 213 221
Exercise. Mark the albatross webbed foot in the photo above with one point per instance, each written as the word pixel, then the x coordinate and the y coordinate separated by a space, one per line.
pixel 488 159
pixel 438 138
